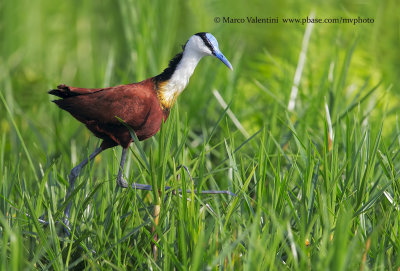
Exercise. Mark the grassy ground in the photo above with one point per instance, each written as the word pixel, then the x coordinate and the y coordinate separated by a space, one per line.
pixel 317 185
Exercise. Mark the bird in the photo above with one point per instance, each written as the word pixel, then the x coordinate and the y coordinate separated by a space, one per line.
pixel 143 105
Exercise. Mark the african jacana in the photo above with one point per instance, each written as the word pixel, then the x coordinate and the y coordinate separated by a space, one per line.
pixel 143 105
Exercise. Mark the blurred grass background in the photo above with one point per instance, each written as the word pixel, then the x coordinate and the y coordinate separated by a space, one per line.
pixel 302 203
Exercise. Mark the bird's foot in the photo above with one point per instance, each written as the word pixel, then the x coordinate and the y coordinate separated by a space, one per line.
pixel 121 182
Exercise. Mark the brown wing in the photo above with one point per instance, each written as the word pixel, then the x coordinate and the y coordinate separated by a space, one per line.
pixel 98 109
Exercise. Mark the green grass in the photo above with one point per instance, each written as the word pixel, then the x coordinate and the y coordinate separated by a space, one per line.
pixel 304 200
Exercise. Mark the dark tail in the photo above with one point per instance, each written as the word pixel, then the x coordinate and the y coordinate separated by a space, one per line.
pixel 62 91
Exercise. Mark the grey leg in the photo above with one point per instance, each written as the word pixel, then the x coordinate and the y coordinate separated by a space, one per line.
pixel 72 178
pixel 120 179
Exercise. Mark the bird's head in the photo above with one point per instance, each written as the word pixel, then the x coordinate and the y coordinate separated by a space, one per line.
pixel 205 44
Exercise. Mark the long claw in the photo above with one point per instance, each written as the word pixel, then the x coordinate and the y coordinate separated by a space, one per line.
pixel 148 187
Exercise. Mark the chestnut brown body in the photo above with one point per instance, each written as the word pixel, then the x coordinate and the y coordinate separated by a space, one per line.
pixel 137 104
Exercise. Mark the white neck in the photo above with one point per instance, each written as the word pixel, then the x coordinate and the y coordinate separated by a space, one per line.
pixel 170 90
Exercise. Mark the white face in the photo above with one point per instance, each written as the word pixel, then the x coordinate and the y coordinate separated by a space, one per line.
pixel 196 44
